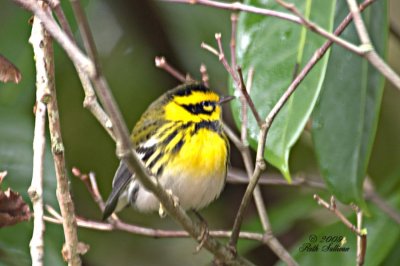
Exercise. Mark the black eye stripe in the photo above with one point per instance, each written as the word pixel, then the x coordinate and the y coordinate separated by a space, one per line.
pixel 199 107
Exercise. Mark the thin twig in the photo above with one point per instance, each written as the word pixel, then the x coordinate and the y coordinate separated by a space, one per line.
pixel 370 52
pixel 209 48
pixel 383 206
pixel 363 50
pixel 63 195
pixel 243 103
pixel 86 34
pixel 237 6
pixel 42 51
pixel 134 229
pixel 314 27
pixel 53 212
pixel 237 77
pixel 222 59
pixel 90 102
pixel 359 23
pixel 332 207
pixel 62 19
pixel 161 62
pixel 234 20
pixel 358 230
pixel 271 241
pixel 150 232
pixel 298 18
pixel 237 176
pixel 247 97
pixel 361 240
pixel 204 75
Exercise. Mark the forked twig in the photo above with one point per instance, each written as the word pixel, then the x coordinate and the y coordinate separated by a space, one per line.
pixel 361 233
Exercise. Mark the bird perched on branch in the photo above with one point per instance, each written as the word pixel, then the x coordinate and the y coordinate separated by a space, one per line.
pixel 180 140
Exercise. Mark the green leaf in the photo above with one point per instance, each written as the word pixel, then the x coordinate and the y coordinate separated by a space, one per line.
pixel 378 247
pixel 274 47
pixel 346 116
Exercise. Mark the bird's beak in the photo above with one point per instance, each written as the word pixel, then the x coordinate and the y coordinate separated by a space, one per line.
pixel 225 99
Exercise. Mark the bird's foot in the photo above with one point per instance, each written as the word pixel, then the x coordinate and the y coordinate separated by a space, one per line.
pixel 204 232
pixel 175 199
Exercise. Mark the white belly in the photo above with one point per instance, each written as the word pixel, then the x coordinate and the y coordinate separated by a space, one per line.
pixel 193 193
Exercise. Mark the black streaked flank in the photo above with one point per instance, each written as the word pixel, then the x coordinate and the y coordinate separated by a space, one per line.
pixel 155 160
pixel 160 170
pixel 147 151
pixel 177 147
pixel 170 137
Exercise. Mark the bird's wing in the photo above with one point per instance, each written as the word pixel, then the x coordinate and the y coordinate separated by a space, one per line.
pixel 121 180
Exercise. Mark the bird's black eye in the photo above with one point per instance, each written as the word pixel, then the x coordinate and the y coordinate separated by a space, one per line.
pixel 208 106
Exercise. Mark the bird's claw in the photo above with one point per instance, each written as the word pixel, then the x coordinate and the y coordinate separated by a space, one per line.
pixel 175 199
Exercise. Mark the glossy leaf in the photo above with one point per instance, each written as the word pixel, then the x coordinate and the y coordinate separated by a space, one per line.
pixel 346 116
pixel 274 47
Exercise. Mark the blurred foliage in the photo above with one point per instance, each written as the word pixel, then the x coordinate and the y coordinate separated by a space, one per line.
pixel 129 34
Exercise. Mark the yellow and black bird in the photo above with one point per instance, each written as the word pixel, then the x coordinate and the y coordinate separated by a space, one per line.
pixel 180 140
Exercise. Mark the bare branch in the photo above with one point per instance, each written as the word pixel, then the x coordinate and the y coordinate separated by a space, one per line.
pixel 204 75
pixel 41 44
pixel 361 240
pixel 314 27
pixel 144 231
pixel 161 62
pixel 299 19
pixel 90 101
pixel 116 224
pixel 332 207
pixel 237 6
pixel 363 50
pixel 234 20
pixel 209 48
pixel 359 23
pixel 64 198
pixel 86 34
pixel 271 241
pixel 247 97
pixel 370 53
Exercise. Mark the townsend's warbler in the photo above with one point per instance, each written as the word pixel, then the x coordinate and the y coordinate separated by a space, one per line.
pixel 181 142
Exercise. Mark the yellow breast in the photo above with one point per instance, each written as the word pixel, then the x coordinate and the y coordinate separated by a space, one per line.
pixel 203 155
